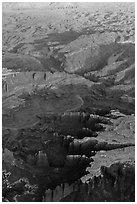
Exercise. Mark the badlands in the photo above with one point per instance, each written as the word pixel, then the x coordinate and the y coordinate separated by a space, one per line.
pixel 68 102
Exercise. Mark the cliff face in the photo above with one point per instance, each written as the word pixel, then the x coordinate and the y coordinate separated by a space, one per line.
pixel 114 184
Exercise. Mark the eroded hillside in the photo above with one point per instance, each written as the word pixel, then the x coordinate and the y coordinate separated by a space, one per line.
pixel 68 101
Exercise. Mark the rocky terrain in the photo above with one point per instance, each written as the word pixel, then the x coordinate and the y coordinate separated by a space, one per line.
pixel 68 102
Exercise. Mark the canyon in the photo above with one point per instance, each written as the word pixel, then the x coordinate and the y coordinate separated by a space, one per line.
pixel 68 102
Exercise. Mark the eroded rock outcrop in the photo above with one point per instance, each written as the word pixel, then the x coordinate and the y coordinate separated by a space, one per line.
pixel 112 183
pixel 59 161
pixel 68 102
